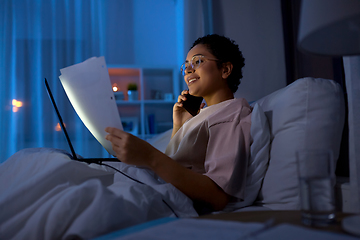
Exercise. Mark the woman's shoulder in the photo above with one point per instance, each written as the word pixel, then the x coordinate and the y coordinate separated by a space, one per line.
pixel 240 102
pixel 237 109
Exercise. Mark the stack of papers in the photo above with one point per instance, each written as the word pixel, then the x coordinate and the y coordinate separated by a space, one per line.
pixel 89 90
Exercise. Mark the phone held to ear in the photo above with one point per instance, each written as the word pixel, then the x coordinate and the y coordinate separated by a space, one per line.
pixel 192 104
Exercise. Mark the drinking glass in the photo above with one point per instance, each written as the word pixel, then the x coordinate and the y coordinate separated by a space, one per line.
pixel 317 178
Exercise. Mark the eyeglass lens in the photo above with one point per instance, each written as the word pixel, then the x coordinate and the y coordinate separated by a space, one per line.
pixel 194 64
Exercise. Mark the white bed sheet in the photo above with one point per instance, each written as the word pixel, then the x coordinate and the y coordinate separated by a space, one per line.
pixel 46 195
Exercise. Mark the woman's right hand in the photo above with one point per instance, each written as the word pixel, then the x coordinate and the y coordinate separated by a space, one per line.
pixel 180 115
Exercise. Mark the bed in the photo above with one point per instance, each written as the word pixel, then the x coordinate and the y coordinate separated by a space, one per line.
pixel 46 195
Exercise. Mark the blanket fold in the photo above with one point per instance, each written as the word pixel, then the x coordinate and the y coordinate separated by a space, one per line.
pixel 46 195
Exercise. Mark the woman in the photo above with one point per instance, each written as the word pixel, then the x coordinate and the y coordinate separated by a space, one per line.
pixel 207 156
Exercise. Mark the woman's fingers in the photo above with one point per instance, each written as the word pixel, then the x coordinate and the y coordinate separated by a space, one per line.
pixel 185 92
pixel 182 97
pixel 126 147
pixel 178 104
pixel 114 131
pixel 115 141
pixel 117 138
pixel 120 142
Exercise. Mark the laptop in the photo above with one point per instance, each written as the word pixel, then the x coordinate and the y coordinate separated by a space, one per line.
pixel 73 153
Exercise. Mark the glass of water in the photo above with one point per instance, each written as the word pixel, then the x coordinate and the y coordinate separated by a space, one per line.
pixel 317 180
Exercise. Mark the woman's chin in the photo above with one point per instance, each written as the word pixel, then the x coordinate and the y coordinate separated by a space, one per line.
pixel 194 92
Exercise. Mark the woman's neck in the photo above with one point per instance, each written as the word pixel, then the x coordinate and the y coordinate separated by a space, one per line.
pixel 219 97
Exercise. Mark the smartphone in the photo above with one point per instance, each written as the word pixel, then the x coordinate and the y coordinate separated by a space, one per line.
pixel 192 104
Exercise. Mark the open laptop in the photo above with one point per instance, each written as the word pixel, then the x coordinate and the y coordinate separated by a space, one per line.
pixel 74 156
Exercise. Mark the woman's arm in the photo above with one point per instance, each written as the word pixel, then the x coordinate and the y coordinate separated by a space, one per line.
pixel 198 187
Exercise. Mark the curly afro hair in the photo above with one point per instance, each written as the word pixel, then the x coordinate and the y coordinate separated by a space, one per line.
pixel 225 50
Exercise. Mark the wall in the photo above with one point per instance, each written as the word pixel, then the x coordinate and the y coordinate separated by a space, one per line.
pixel 119 20
pixel 139 32
pixel 257 27
pixel 155 32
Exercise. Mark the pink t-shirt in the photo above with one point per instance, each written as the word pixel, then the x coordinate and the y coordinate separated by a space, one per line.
pixel 216 143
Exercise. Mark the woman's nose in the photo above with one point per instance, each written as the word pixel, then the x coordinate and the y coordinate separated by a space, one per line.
pixel 189 70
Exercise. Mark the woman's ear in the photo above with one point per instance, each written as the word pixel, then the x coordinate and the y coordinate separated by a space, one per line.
pixel 226 70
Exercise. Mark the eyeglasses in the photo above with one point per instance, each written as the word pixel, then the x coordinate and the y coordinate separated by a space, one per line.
pixel 194 63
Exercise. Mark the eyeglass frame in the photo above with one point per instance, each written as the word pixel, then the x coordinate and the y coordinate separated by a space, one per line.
pixel 190 63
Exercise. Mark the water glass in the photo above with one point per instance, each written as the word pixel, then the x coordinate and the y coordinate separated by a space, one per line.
pixel 317 178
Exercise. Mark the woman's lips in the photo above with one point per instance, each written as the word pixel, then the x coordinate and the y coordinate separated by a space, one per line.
pixel 191 80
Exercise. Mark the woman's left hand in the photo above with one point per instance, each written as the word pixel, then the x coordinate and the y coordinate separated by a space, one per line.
pixel 130 149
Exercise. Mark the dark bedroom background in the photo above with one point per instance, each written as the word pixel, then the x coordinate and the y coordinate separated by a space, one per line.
pixel 38 38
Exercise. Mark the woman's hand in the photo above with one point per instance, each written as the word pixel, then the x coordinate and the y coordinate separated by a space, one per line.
pixel 130 149
pixel 180 115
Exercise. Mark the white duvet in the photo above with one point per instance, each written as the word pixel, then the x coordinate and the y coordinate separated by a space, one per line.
pixel 46 195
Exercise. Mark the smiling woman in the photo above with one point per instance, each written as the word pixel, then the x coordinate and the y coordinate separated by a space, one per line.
pixel 208 154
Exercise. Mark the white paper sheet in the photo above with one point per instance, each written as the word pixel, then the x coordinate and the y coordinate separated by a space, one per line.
pixel 89 90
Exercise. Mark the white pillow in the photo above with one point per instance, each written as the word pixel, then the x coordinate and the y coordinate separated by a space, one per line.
pixel 259 158
pixel 307 114
pixel 161 140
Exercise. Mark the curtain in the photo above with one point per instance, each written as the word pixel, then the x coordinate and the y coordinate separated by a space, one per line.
pixel 37 39
pixel 194 20
pixel 40 37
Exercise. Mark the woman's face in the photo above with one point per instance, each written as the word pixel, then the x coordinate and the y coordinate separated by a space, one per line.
pixel 207 79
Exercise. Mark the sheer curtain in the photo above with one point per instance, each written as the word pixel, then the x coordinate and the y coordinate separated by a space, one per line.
pixel 37 39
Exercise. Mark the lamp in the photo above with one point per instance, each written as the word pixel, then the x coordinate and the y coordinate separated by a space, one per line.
pixel 332 27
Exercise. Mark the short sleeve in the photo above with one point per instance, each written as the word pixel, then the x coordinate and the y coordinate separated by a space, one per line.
pixel 228 150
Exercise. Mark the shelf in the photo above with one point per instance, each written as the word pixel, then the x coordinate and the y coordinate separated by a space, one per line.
pixel 124 102
pixel 138 102
pixel 159 101
pixel 154 85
